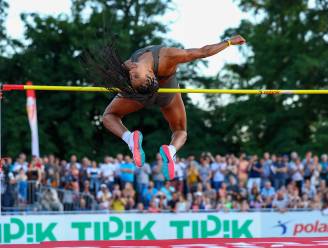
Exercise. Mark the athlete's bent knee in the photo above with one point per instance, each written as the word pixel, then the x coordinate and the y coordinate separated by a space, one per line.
pixel 108 118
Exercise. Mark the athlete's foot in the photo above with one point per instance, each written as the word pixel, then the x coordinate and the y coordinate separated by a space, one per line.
pixel 136 148
pixel 168 162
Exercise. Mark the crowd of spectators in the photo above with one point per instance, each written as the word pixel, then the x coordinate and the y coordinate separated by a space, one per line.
pixel 217 183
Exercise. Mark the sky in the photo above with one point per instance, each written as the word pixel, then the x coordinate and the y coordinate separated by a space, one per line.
pixel 193 23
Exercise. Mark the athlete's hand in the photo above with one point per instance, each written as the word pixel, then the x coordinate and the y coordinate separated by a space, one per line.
pixel 237 40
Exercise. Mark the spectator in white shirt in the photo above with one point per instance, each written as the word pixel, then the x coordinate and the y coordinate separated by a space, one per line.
pixel 73 160
pixel 297 171
pixel 20 163
pixel 218 168
pixel 108 169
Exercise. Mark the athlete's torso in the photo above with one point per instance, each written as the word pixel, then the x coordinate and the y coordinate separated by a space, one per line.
pixel 158 99
pixel 155 51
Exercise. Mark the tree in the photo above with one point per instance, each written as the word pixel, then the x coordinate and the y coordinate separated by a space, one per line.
pixel 286 49
pixel 3 15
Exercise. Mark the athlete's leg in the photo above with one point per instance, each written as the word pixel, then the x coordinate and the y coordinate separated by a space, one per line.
pixel 175 115
pixel 116 110
pixel 112 120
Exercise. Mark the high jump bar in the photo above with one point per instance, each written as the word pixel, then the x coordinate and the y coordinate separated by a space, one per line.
pixel 14 87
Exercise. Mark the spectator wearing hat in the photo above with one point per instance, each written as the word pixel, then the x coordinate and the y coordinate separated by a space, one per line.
pixel 104 197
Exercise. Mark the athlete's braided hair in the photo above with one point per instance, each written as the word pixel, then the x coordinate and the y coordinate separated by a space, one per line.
pixel 106 65
pixel 107 68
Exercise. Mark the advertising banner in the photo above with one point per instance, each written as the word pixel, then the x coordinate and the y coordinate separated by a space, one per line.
pixel 38 228
pixel 22 229
pixel 294 224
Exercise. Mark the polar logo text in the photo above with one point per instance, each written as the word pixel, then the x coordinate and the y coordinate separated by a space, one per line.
pixel 315 227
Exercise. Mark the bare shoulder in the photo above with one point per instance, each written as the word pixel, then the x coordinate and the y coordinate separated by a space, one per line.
pixel 173 56
pixel 172 52
pixel 178 55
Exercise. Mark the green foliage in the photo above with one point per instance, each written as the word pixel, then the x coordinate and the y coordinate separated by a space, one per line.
pixel 287 48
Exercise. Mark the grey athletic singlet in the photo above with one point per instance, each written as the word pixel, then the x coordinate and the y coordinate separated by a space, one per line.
pixel 153 99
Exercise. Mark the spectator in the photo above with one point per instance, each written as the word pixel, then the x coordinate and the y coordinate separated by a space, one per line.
pixel 297 173
pixel 69 197
pixel 192 177
pixel 280 201
pixel 205 170
pixel 140 207
pixel 127 171
pixel 83 171
pixel 167 189
pixel 307 165
pixel 153 207
pixel 305 202
pixel 157 173
pixel 118 203
pixel 88 196
pixel 173 202
pixel 316 203
pixel 128 191
pixel 218 170
pixel 266 173
pixel 324 168
pixel 50 201
pixel 51 170
pixel 309 189
pixel 118 162
pixel 210 193
pixel 223 192
pixel 268 191
pixel 182 205
pixel 74 171
pixel 255 169
pixel 34 176
pixel 107 171
pixel 232 188
pixel 294 198
pixel 94 175
pixel 232 166
pixel 161 201
pixel 315 171
pixel 143 175
pixel 20 163
pixel 130 203
pixel 104 197
pixel 73 160
pixel 279 172
pixel 21 180
pixel 198 203
pixel 254 192
pixel 243 169
pixel 244 206
pixel 257 203
pixel 148 194
pixel 180 174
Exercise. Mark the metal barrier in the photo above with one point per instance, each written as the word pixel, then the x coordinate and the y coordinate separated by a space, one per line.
pixel 31 196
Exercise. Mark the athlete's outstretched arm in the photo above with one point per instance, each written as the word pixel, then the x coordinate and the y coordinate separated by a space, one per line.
pixel 178 56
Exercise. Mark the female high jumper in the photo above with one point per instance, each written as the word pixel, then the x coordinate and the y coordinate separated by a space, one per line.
pixel 138 79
